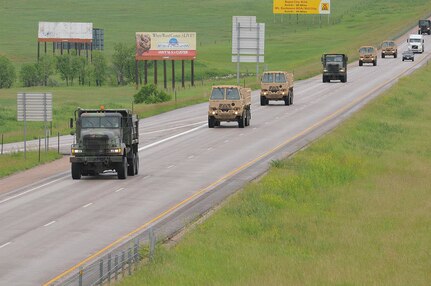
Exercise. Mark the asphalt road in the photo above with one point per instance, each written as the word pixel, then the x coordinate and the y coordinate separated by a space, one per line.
pixel 48 228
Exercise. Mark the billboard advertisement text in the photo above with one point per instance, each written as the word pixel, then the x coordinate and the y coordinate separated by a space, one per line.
pixel 302 7
pixel 165 46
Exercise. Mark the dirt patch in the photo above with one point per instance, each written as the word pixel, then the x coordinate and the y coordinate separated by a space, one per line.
pixel 34 175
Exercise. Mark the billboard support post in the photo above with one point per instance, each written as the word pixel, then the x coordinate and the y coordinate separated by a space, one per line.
pixel 182 73
pixel 155 72
pixel 136 74
pixel 165 82
pixel 38 51
pixel 173 74
pixel 193 72
pixel 145 72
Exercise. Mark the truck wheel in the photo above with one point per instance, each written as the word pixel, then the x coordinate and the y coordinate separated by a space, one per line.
pixel 217 123
pixel 344 78
pixel 374 62
pixel 248 118
pixel 241 121
pixel 211 122
pixel 360 63
pixel 263 100
pixel 76 171
pixel 136 164
pixel 287 100
pixel 122 169
pixel 324 79
pixel 395 55
pixel 131 167
pixel 291 98
pixel 383 56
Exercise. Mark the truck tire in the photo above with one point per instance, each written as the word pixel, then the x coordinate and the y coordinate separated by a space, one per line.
pixel 374 62
pixel 324 79
pixel 287 100
pixel 361 63
pixel 131 169
pixel 211 122
pixel 395 55
pixel 137 164
pixel 383 55
pixel 291 98
pixel 344 78
pixel 122 169
pixel 241 121
pixel 248 118
pixel 76 171
pixel 263 101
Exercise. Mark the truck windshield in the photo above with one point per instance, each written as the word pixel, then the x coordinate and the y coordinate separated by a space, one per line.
pixel 424 23
pixel 366 50
pixel 232 94
pixel 334 58
pixel 100 122
pixel 388 44
pixel 217 93
pixel 274 77
pixel 415 40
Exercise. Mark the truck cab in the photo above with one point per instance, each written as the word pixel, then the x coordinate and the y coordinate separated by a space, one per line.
pixel 276 85
pixel 105 140
pixel 334 67
pixel 416 43
pixel 424 27
pixel 367 54
pixel 229 103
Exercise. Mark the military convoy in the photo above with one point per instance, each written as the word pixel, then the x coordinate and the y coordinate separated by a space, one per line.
pixel 334 67
pixel 389 48
pixel 367 55
pixel 276 85
pixel 105 140
pixel 229 103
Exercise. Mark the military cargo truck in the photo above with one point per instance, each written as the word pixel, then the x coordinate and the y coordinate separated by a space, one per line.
pixel 368 54
pixel 229 103
pixel 276 85
pixel 389 48
pixel 424 27
pixel 334 67
pixel 106 139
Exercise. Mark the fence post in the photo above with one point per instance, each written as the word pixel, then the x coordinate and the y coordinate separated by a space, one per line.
pixel 129 254
pixel 2 144
pixel 136 253
pixel 123 261
pixel 109 268
pixel 116 267
pixel 58 142
pixel 81 272
pixel 101 271
pixel 152 243
pixel 39 149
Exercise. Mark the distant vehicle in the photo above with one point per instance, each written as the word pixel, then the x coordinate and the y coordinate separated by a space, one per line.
pixel 408 56
pixel 276 85
pixel 105 140
pixel 367 54
pixel 416 43
pixel 229 103
pixel 389 48
pixel 334 67
pixel 424 27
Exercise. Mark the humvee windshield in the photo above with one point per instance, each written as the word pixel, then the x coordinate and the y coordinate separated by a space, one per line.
pixel 220 92
pixel 101 122
pixel 274 77
pixel 366 50
pixel 334 58
pixel 388 44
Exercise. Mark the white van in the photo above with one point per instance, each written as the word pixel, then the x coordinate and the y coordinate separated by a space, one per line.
pixel 416 43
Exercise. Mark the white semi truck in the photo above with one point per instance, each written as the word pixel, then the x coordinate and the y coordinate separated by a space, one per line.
pixel 416 43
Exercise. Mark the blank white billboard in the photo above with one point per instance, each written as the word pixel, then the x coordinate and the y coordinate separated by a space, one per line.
pixel 65 31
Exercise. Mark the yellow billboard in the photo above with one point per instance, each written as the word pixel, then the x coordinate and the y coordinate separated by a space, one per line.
pixel 302 7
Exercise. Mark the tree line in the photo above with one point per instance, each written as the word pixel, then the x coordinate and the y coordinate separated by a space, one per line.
pixel 73 69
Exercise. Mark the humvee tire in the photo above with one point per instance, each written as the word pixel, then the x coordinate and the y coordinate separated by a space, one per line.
pixel 76 171
pixel 395 55
pixel 374 62
pixel 248 118
pixel 263 100
pixel 291 98
pixel 122 169
pixel 211 122
pixel 383 55
pixel 360 63
pixel 241 121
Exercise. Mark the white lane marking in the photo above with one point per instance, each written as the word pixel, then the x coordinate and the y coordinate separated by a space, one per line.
pixel 170 138
pixel 191 156
pixel 31 190
pixel 210 148
pixel 49 223
pixel 6 244
pixel 254 128
pixel 242 134
pixel 173 128
pixel 119 190
pixel 171 166
pixel 87 205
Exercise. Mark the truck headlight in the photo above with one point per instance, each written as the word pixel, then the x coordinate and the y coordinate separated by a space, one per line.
pixel 76 151
pixel 342 70
pixel 213 112
pixel 265 93
pixel 236 112
pixel 325 70
pixel 116 150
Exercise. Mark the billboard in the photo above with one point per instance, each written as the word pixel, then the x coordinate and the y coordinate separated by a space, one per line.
pixel 165 46
pixel 302 7
pixel 65 32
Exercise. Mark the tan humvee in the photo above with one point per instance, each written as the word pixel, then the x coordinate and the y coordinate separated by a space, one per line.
pixel 276 85
pixel 368 54
pixel 389 48
pixel 229 103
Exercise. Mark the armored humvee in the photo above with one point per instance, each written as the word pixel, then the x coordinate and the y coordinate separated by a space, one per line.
pixel 424 27
pixel 334 67
pixel 105 140
pixel 276 85
pixel 229 103
pixel 367 54
pixel 389 48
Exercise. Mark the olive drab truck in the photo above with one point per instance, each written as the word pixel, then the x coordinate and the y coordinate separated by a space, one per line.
pixel 334 67
pixel 276 85
pixel 367 55
pixel 424 27
pixel 389 48
pixel 106 139
pixel 230 104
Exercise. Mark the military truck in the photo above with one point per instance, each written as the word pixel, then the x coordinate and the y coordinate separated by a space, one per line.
pixel 367 54
pixel 106 139
pixel 334 67
pixel 389 48
pixel 229 103
pixel 424 27
pixel 276 85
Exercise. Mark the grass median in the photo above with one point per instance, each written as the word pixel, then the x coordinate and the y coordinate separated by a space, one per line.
pixel 352 209
pixel 15 162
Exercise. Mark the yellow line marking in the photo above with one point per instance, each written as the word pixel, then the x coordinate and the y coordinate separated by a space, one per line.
pixel 225 177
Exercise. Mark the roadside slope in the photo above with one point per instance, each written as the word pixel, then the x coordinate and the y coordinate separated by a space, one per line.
pixel 351 209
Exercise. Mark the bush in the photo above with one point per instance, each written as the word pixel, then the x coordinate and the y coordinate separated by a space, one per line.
pixel 149 94
pixel 29 75
pixel 7 73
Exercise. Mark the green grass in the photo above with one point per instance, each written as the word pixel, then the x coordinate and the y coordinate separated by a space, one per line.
pixel 14 162
pixel 352 209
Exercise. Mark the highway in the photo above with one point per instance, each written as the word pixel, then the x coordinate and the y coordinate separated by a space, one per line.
pixel 51 226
